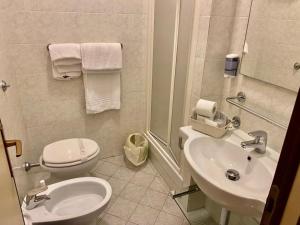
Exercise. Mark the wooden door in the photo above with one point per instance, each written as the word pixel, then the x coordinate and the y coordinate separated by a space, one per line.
pixel 10 211
pixel 285 175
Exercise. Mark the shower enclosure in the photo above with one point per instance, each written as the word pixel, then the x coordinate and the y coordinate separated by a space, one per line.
pixel 173 24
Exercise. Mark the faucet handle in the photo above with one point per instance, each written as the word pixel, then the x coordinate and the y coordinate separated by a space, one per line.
pixel 38 190
pixel 259 134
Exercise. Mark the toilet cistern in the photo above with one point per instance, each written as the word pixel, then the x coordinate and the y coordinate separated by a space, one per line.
pixel 32 199
pixel 259 142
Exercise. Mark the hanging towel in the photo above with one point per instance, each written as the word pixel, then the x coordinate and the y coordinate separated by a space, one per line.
pixel 101 66
pixel 101 57
pixel 66 60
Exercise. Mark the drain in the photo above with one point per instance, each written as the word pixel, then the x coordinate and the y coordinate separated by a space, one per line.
pixel 232 174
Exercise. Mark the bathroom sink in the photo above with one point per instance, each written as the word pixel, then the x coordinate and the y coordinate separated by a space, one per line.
pixel 233 177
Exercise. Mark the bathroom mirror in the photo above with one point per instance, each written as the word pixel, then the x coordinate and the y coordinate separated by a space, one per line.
pixel 272 46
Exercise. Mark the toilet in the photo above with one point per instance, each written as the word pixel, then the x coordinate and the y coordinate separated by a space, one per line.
pixel 70 158
pixel 72 202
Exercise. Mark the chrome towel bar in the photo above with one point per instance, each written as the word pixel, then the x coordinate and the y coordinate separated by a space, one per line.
pixel 240 103
pixel 50 44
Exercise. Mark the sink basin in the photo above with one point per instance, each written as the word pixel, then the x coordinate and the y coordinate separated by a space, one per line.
pixel 236 179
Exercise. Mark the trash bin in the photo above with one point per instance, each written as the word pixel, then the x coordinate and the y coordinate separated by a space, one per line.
pixel 136 149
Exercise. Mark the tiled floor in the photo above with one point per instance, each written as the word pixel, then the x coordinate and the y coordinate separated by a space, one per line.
pixel 140 196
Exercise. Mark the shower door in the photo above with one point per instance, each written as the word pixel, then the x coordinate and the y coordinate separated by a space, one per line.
pixel 173 24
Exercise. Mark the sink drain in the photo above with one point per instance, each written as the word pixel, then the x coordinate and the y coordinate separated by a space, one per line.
pixel 232 174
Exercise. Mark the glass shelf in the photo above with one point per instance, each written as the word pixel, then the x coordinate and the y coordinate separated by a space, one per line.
pixel 196 216
pixel 205 211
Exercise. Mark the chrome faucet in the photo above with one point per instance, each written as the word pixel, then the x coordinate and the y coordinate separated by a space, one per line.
pixel 32 199
pixel 259 142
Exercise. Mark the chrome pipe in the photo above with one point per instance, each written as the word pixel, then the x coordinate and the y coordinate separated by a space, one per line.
pixel 28 166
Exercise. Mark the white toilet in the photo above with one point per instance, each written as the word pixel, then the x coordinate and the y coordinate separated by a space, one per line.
pixel 72 202
pixel 70 158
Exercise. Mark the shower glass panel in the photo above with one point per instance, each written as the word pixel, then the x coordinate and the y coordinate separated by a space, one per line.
pixel 181 70
pixel 164 44
pixel 173 25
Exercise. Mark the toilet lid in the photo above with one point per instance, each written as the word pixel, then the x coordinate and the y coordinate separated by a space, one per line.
pixel 69 150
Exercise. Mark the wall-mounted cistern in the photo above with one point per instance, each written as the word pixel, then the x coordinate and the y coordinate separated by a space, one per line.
pixel 259 142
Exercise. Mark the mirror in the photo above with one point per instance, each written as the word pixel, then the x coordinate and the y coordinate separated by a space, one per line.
pixel 273 43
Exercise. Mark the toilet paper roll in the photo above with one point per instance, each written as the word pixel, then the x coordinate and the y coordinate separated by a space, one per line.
pixel 206 108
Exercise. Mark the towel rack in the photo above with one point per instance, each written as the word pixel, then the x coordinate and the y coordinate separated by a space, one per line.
pixel 50 44
pixel 240 103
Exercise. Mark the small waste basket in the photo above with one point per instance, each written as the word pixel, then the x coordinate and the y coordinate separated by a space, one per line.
pixel 136 149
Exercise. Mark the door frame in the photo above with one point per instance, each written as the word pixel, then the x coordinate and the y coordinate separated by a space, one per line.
pixel 284 178
pixel 10 212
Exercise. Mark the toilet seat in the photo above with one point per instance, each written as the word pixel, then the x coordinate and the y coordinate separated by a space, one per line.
pixel 69 152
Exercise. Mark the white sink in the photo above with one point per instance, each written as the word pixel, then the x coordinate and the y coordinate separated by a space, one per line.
pixel 209 159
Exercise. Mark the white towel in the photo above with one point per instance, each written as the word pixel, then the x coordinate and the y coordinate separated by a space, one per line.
pixel 102 92
pixel 101 76
pixel 66 60
pixel 101 56
pixel 64 51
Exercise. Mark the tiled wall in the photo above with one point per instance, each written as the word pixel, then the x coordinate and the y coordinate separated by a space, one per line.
pixel 54 109
pixel 10 110
pixel 225 34
pixel 201 29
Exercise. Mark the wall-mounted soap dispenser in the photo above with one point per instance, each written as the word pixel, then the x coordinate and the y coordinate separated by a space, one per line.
pixel 231 65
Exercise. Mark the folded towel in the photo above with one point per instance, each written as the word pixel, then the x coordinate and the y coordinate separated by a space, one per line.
pixel 69 68
pixel 101 56
pixel 66 60
pixel 64 75
pixel 64 51
pixel 101 65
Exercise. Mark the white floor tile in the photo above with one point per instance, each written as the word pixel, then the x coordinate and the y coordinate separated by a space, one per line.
pixel 122 208
pixel 148 168
pixel 144 215
pixel 117 185
pixel 108 219
pixel 117 160
pixel 106 168
pixel 133 192
pixel 154 199
pixel 124 173
pixel 111 202
pixel 171 207
pixel 168 219
pixel 160 185
pixel 142 179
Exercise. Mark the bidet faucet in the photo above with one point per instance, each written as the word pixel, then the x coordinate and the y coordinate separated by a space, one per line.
pixel 259 142
pixel 32 199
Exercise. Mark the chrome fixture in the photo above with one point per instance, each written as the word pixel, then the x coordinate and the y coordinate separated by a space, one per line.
pixel 28 165
pixel 236 122
pixel 189 190
pixel 4 85
pixel 259 142
pixel 241 97
pixel 297 66
pixel 180 144
pixel 32 199
pixel 240 103
pixel 122 46
pixel 232 174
